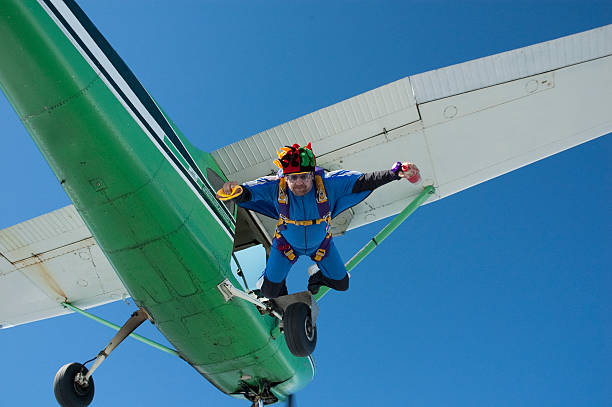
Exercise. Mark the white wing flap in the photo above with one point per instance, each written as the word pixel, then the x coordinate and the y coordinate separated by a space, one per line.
pixel 501 128
pixel 462 124
pixel 48 260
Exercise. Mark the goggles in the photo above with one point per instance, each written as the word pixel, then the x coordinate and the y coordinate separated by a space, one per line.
pixel 306 176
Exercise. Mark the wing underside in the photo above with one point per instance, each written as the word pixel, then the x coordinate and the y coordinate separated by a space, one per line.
pixel 48 260
pixel 462 125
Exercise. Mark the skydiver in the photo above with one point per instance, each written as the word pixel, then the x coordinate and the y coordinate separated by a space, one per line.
pixel 305 213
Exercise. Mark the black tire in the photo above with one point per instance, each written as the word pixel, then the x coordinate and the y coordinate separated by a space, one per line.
pixel 67 391
pixel 300 332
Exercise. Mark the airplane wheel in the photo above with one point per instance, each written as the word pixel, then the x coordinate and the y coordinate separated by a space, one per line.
pixel 300 332
pixel 67 391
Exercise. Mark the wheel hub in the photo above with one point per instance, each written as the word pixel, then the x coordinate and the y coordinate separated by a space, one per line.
pixel 81 385
pixel 308 328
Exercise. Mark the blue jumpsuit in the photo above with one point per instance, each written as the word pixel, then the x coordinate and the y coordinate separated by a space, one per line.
pixel 304 240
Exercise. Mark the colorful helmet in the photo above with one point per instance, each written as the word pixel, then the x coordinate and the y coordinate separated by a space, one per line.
pixel 293 159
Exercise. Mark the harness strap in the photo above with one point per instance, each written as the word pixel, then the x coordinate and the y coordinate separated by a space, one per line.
pixel 285 248
pixel 305 222
pixel 324 212
pixel 283 198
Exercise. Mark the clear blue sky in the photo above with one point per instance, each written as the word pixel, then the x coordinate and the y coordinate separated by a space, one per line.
pixel 500 295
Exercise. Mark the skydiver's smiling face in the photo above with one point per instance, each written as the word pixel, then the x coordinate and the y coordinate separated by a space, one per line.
pixel 300 184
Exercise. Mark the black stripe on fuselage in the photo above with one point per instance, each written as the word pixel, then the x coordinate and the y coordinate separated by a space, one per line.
pixel 142 96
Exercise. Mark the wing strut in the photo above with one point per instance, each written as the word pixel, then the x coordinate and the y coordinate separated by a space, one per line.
pixel 117 327
pixel 383 234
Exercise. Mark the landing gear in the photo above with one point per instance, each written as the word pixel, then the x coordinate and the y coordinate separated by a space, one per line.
pixel 259 395
pixel 298 314
pixel 70 388
pixel 300 331
pixel 73 385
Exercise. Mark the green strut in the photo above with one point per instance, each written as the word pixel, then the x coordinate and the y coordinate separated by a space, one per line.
pixel 117 327
pixel 383 234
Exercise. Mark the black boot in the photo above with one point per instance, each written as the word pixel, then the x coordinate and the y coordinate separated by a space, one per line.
pixel 317 280
pixel 273 290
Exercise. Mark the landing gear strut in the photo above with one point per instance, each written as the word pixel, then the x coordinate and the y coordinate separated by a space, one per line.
pixel 73 385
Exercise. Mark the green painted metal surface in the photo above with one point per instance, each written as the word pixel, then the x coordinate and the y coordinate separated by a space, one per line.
pixel 169 249
pixel 383 234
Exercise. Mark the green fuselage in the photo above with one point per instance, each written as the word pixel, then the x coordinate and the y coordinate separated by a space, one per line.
pixel 142 190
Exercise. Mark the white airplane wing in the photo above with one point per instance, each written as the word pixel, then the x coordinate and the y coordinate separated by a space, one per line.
pixel 461 125
pixel 48 260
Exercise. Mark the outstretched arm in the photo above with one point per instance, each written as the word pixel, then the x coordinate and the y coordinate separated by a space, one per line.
pixel 372 180
pixel 261 189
